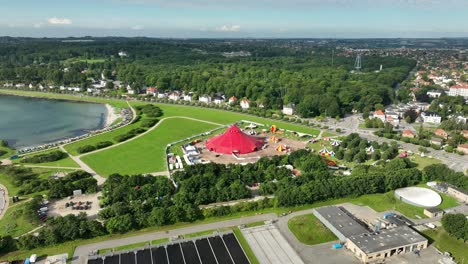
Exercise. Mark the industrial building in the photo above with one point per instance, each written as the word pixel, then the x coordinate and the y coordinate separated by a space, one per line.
pixel 365 244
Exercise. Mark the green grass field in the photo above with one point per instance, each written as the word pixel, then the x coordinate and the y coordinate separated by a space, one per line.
pixel 14 223
pixel 309 230
pixel 145 154
pixel 446 243
pixel 388 201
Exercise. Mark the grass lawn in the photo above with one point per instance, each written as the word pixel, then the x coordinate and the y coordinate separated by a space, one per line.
pixel 14 223
pixel 446 243
pixel 247 249
pixel 423 161
pixel 8 153
pixel 309 230
pixel 145 154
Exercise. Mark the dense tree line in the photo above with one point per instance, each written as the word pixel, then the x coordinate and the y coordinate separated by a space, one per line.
pixel 354 149
pixel 456 225
pixel 274 75
pixel 46 157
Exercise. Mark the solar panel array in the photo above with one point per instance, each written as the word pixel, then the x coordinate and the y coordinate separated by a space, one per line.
pixel 220 249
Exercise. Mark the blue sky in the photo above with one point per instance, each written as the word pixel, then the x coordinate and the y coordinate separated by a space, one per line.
pixel 231 18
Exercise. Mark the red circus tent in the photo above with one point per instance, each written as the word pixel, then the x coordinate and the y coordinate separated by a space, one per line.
pixel 234 141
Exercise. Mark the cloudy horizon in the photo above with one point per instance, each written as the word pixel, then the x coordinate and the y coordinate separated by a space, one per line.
pixel 236 19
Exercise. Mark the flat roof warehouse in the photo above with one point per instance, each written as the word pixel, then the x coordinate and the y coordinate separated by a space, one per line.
pixel 366 245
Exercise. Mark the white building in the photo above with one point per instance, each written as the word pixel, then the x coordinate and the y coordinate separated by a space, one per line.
pixel 205 99
pixel 245 104
pixel 188 97
pixel 430 117
pixel 380 115
pixel 174 96
pixel 123 54
pixel 218 100
pixel 434 93
pixel 232 99
pixel 161 95
pixel 289 109
pixel 459 90
pixel 151 91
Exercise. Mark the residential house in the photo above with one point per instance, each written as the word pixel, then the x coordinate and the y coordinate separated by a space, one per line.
pixel 431 117
pixel 463 148
pixel 289 109
pixel 408 134
pixel 205 99
pixel 441 133
pixel 380 115
pixel 188 97
pixel 218 100
pixel 459 90
pixel 130 90
pixel 161 95
pixel 232 100
pixel 175 95
pixel 31 86
pixel 152 91
pixel 245 104
pixel 434 93
pixel 436 141
pixel 465 133
pixel 20 85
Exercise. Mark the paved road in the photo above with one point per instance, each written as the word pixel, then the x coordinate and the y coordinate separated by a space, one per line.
pixel 351 125
pixel 81 252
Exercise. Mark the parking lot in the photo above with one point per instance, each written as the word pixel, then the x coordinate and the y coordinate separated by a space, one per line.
pixel 87 203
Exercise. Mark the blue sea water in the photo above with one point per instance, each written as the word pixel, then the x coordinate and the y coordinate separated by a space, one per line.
pixel 28 121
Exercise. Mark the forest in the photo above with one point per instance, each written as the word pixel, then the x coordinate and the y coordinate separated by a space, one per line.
pixel 274 75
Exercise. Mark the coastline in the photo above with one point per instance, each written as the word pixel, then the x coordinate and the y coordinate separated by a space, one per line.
pixel 111 115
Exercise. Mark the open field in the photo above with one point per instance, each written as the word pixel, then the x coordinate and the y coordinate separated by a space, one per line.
pixel 145 154
pixel 309 230
pixel 446 243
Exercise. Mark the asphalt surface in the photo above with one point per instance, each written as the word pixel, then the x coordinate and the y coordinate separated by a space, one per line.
pixel 351 123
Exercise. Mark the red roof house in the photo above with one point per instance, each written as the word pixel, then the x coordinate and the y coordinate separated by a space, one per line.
pixel 408 133
pixel 441 133
pixel 234 141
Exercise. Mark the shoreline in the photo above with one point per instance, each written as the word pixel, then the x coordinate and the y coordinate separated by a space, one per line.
pixel 111 116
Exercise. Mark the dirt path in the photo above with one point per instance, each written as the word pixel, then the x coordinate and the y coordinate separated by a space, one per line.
pixel 4 200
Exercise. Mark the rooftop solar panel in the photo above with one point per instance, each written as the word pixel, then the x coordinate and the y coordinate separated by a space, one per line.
pixel 144 256
pixel 175 254
pixel 127 258
pixel 205 252
pixel 159 255
pixel 112 259
pixel 221 253
pixel 235 249
pixel 190 253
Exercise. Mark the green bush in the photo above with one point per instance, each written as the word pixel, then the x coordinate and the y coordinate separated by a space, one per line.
pixel 47 157
pixel 149 123
pixel 129 134
pixel 103 144
pixel 85 149
pixel 2 152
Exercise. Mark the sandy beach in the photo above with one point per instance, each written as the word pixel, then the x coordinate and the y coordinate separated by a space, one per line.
pixel 111 115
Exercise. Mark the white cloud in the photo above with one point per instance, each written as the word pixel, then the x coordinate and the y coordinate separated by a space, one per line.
pixel 137 27
pixel 59 21
pixel 227 28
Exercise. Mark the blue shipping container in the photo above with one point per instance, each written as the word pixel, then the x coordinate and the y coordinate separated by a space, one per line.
pixel 337 246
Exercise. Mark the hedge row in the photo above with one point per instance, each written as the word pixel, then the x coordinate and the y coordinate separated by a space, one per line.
pixel 47 157
pixel 89 148
pixel 129 134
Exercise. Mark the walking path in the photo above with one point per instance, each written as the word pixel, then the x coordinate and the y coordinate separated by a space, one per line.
pixel 81 252
pixel 4 200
